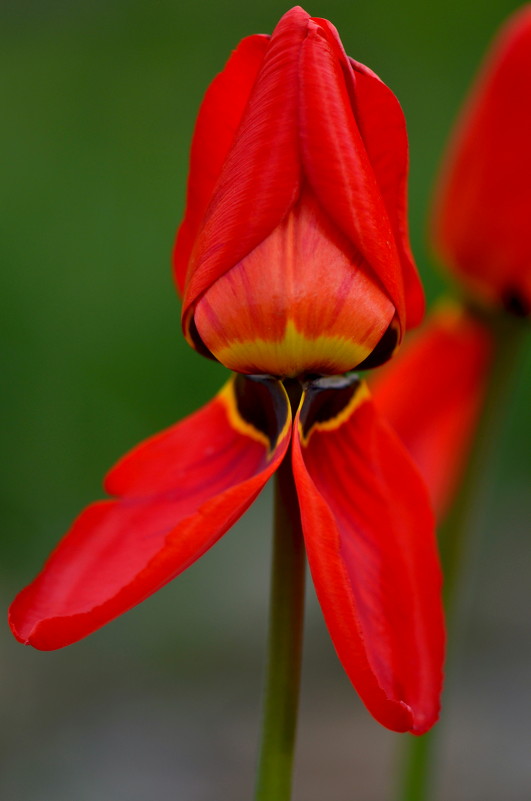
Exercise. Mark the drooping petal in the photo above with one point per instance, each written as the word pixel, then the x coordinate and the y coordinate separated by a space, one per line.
pixel 178 493
pixel 269 314
pixel 432 393
pixel 336 161
pixel 215 130
pixel 480 220
pixel 368 529
pixel 260 179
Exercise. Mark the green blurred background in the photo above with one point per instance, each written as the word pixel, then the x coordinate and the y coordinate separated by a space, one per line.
pixel 99 102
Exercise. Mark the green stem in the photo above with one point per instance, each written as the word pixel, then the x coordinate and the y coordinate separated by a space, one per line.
pixel 284 646
pixel 459 534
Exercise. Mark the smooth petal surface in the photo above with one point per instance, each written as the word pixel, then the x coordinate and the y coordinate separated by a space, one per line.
pixel 261 175
pixel 369 536
pixel 432 393
pixel 178 493
pixel 482 212
pixel 383 128
pixel 336 161
pixel 269 314
pixel 215 130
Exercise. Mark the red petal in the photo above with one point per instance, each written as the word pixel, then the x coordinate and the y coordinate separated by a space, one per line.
pixel 369 537
pixel 432 393
pixel 217 123
pixel 483 205
pixel 260 178
pixel 383 128
pixel 336 161
pixel 179 492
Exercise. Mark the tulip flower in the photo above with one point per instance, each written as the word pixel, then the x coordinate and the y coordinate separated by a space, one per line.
pixel 308 167
pixel 294 264
pixel 482 209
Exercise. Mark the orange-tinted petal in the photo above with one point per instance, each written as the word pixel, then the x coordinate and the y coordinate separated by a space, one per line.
pixel 215 130
pixel 369 536
pixel 482 212
pixel 302 302
pixel 178 493
pixel 432 393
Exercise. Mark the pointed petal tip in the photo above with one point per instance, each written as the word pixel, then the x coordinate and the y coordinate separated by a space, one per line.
pixel 399 716
pixel 11 619
pixel 295 14
pixel 22 628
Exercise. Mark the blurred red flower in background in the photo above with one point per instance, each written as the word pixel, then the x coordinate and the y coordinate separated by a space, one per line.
pixel 294 262
pixel 433 392
pixel 482 212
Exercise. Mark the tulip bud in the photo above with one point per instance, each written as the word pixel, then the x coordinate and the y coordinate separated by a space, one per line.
pixel 482 214
pixel 293 256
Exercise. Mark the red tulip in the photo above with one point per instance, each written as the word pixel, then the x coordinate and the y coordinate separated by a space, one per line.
pixel 294 260
pixel 482 212
pixel 293 255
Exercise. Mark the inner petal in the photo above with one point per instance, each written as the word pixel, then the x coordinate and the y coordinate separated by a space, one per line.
pixel 302 302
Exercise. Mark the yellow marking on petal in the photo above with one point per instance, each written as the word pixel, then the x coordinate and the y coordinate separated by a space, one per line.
pixel 294 354
pixel 227 395
pixel 286 428
pixel 361 395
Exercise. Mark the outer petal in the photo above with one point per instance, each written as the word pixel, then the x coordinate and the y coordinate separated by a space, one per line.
pixel 336 160
pixel 217 123
pixel 483 202
pixel 432 394
pixel 383 128
pixel 178 493
pixel 369 537
pixel 260 179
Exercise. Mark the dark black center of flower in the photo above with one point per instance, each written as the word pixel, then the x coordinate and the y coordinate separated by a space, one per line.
pixel 383 350
pixel 262 404
pixel 326 398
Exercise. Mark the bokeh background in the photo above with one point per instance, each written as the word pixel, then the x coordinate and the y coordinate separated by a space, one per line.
pixel 99 100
